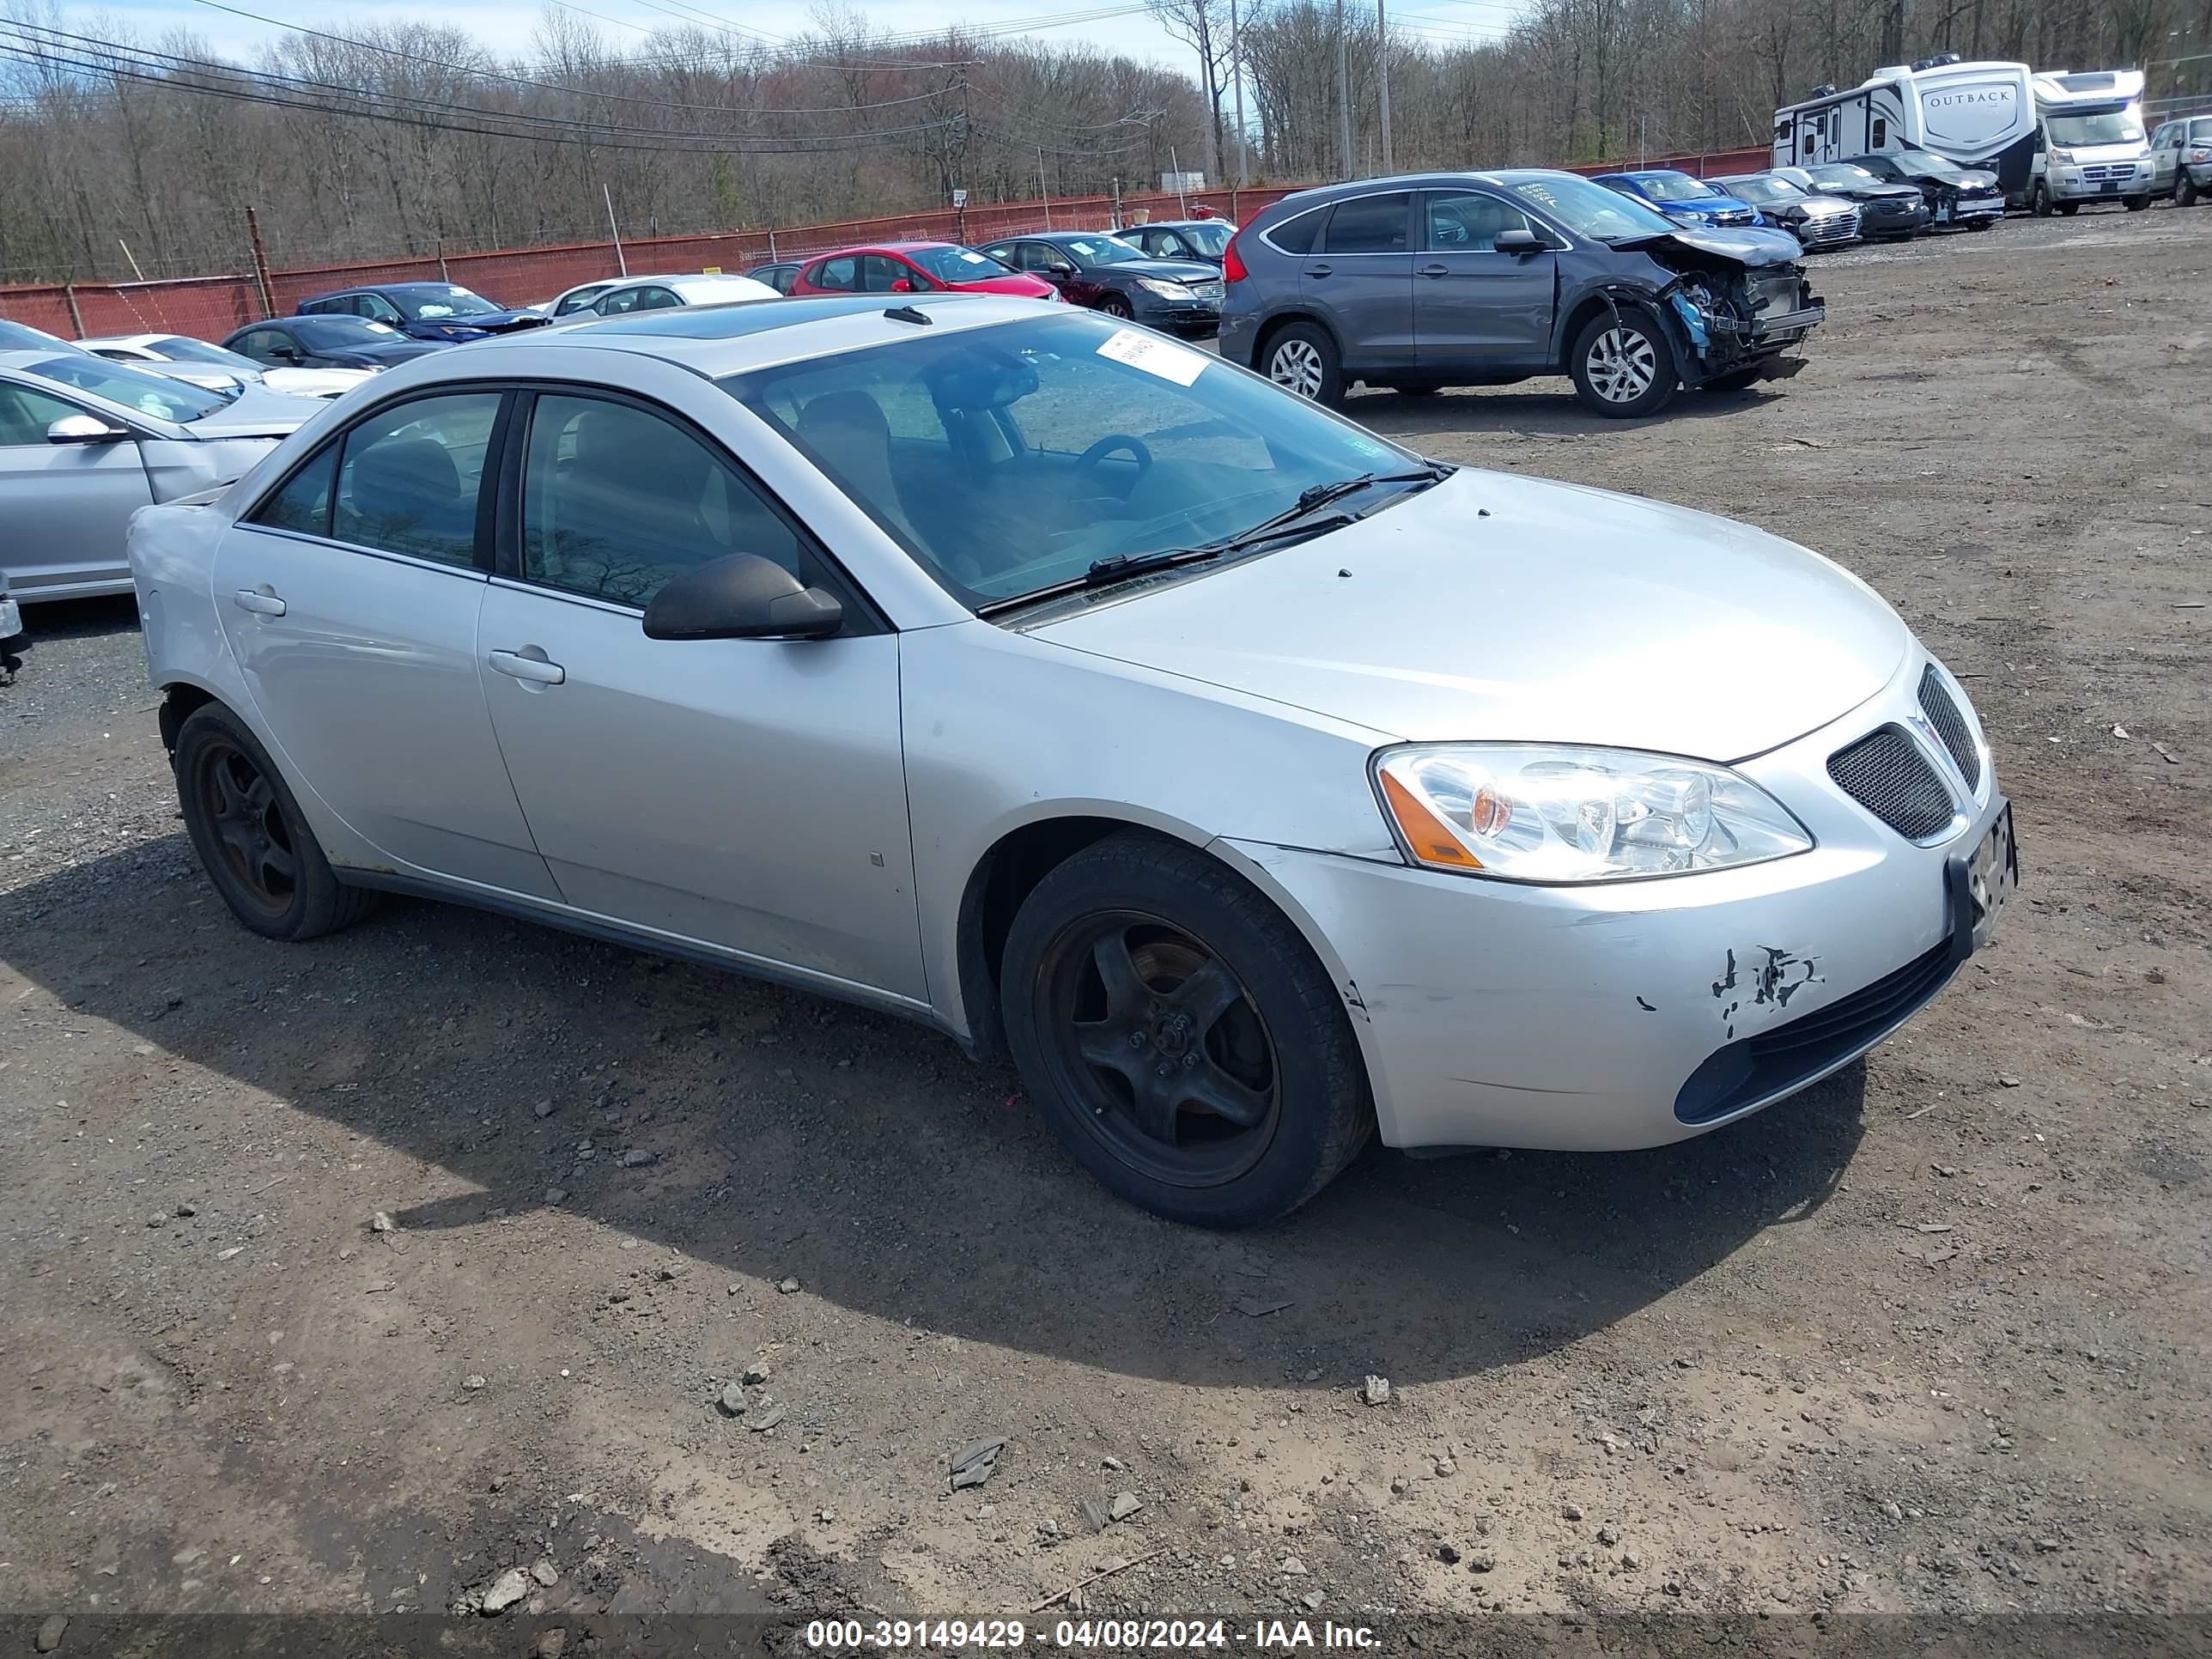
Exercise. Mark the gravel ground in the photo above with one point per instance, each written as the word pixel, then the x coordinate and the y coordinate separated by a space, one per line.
pixel 1931 1338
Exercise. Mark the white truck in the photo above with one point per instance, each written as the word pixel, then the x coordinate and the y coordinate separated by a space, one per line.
pixel 1979 115
pixel 2089 142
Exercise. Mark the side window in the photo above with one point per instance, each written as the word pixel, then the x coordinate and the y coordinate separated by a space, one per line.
pixel 878 273
pixel 377 309
pixel 1036 256
pixel 655 299
pixel 1298 235
pixel 575 302
pixel 304 502
pixel 1881 140
pixel 838 274
pixel 409 480
pixel 1470 223
pixel 617 502
pixel 315 307
pixel 616 301
pixel 1370 224
pixel 25 416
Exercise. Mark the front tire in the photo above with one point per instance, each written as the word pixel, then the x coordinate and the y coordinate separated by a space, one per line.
pixel 1622 365
pixel 1741 379
pixel 2070 208
pixel 1115 305
pixel 1180 1038
pixel 2138 204
pixel 2184 191
pixel 1301 358
pixel 250 836
pixel 2038 200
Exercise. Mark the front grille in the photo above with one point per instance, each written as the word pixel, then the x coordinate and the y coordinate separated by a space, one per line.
pixel 1776 295
pixel 1885 772
pixel 2114 170
pixel 1791 1054
pixel 1835 228
pixel 1942 711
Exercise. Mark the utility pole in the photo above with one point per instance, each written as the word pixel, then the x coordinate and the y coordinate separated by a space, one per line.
pixel 1343 94
pixel 1237 80
pixel 260 270
pixel 621 261
pixel 1042 188
pixel 1383 81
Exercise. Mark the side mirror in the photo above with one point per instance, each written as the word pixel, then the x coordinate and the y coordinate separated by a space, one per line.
pixel 85 429
pixel 743 597
pixel 285 353
pixel 902 286
pixel 1520 241
pixel 1060 267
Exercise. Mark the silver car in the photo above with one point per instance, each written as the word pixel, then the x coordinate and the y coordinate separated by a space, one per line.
pixel 84 443
pixel 219 369
pixel 1257 784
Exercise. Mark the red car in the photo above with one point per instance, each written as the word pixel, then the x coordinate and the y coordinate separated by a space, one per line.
pixel 916 267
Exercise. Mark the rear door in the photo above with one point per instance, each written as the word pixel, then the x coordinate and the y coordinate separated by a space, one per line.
pixel 63 507
pixel 1473 307
pixel 748 794
pixel 350 597
pixel 1361 278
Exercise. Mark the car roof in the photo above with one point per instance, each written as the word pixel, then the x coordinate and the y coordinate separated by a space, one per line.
pixel 733 339
pixel 91 341
pixel 24 357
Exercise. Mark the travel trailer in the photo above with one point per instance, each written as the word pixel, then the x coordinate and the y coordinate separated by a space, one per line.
pixel 2089 142
pixel 1979 115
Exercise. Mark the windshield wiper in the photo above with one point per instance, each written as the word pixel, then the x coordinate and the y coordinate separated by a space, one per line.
pixel 1315 496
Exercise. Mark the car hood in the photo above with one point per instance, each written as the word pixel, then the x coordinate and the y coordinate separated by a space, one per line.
pixel 491 322
pixel 1167 270
pixel 1014 282
pixel 1567 614
pixel 1749 246
pixel 257 412
pixel 386 352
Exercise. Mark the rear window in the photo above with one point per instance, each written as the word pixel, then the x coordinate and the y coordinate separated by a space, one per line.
pixel 2200 132
pixel 1298 235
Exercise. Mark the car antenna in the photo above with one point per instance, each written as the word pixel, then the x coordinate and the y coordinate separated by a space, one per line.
pixel 909 314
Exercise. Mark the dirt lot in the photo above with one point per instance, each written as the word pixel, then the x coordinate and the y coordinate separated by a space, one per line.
pixel 1932 1338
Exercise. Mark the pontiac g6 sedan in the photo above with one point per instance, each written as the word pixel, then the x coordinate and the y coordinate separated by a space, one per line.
pixel 1258 785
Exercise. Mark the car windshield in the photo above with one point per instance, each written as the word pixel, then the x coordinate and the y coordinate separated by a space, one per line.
pixel 1764 189
pixel 178 350
pixel 1089 250
pixel 1009 459
pixel 1591 209
pixel 21 337
pixel 1843 172
pixel 2117 127
pixel 1675 187
pixel 1920 164
pixel 340 333
pixel 156 395
pixel 1212 237
pixel 955 264
pixel 429 305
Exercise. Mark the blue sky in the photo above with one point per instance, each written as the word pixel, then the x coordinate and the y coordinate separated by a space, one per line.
pixel 508 25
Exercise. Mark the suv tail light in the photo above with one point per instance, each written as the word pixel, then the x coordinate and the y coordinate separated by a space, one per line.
pixel 1232 267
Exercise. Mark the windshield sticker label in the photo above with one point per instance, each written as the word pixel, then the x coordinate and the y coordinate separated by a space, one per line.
pixel 1154 355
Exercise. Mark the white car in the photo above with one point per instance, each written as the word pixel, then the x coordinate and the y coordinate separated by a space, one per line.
pixel 183 358
pixel 666 293
pixel 1259 785
pixel 571 301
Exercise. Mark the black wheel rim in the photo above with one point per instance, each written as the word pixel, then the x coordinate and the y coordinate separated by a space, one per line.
pixel 239 803
pixel 1159 1047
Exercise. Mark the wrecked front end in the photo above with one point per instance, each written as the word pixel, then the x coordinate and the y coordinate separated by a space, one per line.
pixel 1740 303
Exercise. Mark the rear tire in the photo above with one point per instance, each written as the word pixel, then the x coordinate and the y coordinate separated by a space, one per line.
pixel 1302 359
pixel 1114 305
pixel 1622 365
pixel 247 829
pixel 1154 1003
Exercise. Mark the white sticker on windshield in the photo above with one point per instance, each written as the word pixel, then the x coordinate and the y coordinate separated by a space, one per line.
pixel 1154 355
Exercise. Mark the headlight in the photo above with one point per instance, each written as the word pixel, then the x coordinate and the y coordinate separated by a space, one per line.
pixel 1549 813
pixel 1165 290
pixel 2061 155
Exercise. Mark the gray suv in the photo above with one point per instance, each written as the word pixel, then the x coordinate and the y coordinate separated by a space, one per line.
pixel 1486 278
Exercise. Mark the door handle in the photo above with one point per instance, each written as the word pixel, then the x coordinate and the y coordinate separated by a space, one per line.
pixel 1433 270
pixel 534 669
pixel 261 601
pixel 1319 270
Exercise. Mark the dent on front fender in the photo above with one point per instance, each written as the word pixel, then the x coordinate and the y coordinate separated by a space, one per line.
pixel 177 470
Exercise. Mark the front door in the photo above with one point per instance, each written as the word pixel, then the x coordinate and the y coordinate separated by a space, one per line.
pixel 353 613
pixel 63 507
pixel 1361 279
pixel 1473 307
pixel 748 794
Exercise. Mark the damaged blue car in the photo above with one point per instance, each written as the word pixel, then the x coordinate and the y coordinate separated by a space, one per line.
pixel 1438 280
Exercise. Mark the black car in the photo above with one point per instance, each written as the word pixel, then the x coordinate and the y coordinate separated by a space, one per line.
pixel 1954 195
pixel 325 342
pixel 778 277
pixel 1887 212
pixel 1205 241
pixel 429 311
pixel 1091 268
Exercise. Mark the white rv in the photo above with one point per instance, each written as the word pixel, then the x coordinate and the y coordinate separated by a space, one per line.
pixel 1979 115
pixel 2089 143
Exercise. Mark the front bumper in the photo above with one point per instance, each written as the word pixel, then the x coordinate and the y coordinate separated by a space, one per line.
pixel 1196 320
pixel 2096 182
pixel 1493 1014
pixel 1893 222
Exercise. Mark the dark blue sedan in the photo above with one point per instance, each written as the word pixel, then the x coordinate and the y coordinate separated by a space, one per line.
pixel 324 343
pixel 426 311
pixel 1680 197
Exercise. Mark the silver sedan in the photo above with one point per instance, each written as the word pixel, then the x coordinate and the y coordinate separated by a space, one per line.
pixel 84 443
pixel 1258 785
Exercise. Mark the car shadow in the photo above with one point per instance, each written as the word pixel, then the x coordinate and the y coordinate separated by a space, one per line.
pixel 792 1136
pixel 1471 411
pixel 80 619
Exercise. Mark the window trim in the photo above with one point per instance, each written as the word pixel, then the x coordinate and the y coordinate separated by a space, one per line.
pixel 863 616
pixel 1268 235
